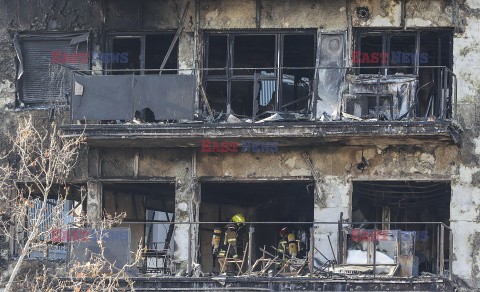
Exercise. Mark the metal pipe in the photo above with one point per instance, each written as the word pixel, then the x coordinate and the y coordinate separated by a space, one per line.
pixel 175 38
pixel 270 68
pixel 437 255
pixel 321 254
pixel 450 255
pixel 442 250
pixel 377 95
pixel 441 90
pixel 374 254
pixel 289 222
pixel 312 254
pixel 340 239
pixel 250 242
pixel 445 88
pixel 189 260
pixel 331 247
pixel 196 62
pixel 455 94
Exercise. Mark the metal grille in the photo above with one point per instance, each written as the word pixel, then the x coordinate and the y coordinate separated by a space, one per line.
pixel 43 81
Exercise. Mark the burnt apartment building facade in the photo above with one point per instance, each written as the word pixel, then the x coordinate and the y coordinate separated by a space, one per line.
pixel 283 111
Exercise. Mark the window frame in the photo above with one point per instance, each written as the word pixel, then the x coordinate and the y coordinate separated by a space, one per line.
pixel 387 34
pixel 230 77
pixel 110 36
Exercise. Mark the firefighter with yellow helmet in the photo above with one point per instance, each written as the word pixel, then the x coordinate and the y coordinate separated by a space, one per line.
pixel 231 237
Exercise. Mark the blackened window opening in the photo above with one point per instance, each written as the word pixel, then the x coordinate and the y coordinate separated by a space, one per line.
pixel 371 46
pixel 286 201
pixel 253 51
pixel 387 49
pixel 297 83
pixel 250 92
pixel 143 51
pixel 156 48
pixel 132 48
pixel 404 201
pixel 409 53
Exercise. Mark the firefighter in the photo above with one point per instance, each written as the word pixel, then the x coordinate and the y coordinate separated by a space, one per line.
pixel 216 243
pixel 288 244
pixel 282 244
pixel 232 236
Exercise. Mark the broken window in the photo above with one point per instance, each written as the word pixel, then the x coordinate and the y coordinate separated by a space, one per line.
pixel 370 46
pixel 402 201
pixel 297 83
pixel 144 53
pixel 402 52
pixel 424 55
pixel 438 48
pixel 253 51
pixel 45 63
pixel 132 47
pixel 290 201
pixel 258 76
pixel 149 208
pixel 217 54
pixel 399 49
pixel 368 106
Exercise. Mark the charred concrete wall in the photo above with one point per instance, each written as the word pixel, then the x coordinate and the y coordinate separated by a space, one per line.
pixel 337 165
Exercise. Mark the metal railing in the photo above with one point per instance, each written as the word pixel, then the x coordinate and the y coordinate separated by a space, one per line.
pixel 325 255
pixel 272 92
pixel 330 255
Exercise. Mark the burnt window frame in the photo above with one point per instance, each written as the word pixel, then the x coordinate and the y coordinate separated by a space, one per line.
pixel 142 36
pixel 278 61
pixel 387 34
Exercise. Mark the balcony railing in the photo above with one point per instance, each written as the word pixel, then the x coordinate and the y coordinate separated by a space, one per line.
pixel 335 93
pixel 351 252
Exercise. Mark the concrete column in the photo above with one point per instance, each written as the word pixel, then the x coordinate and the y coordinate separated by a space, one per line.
pixel 464 221
pixel 185 54
pixel 332 196
pixel 94 201
pixel 187 203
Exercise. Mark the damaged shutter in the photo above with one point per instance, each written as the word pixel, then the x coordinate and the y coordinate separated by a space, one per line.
pixel 44 82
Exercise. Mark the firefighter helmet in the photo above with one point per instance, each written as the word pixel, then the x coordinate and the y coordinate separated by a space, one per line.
pixel 239 219
pixel 283 231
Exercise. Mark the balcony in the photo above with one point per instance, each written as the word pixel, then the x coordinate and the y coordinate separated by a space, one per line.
pixel 163 110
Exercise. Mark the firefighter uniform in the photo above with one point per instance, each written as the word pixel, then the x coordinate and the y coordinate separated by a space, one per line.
pixel 216 243
pixel 289 245
pixel 231 237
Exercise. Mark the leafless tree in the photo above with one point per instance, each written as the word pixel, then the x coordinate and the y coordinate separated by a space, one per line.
pixel 33 194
